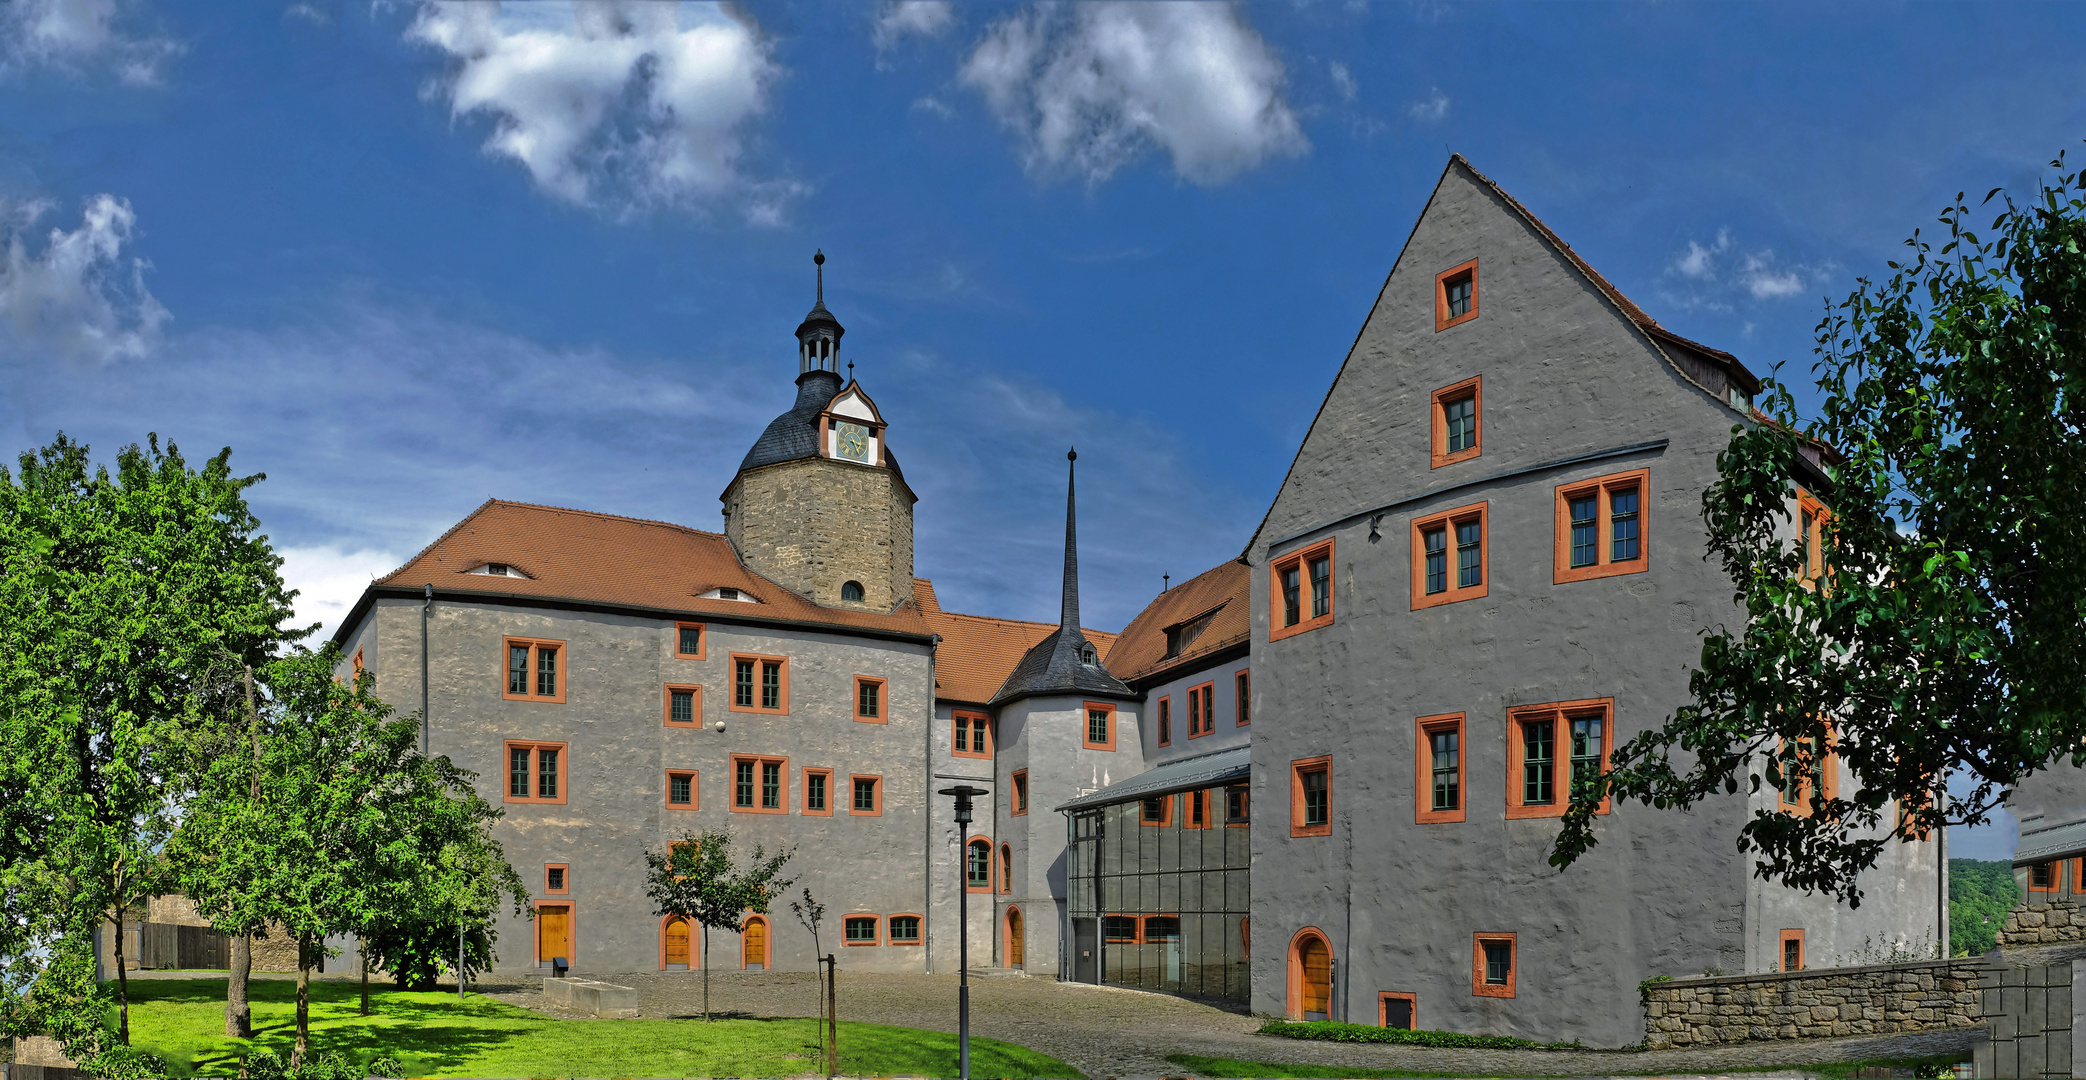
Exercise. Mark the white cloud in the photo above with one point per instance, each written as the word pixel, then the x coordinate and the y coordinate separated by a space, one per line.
pixel 1698 261
pixel 1430 109
pixel 1761 278
pixel 77 297
pixel 74 35
pixel 328 579
pixel 895 21
pixel 1343 80
pixel 1091 87
pixel 1718 275
pixel 618 105
pixel 935 105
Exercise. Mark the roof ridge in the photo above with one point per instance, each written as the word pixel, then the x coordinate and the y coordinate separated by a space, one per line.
pixel 602 514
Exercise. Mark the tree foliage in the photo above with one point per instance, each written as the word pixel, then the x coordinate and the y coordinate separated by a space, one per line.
pixel 696 879
pixel 119 592
pixel 1947 631
pixel 1980 893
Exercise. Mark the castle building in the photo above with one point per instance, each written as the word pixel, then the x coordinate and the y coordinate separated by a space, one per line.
pixel 1484 568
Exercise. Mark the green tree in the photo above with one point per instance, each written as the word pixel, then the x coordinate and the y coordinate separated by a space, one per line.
pixel 696 879
pixel 119 591
pixel 351 824
pixel 1980 893
pixel 1945 634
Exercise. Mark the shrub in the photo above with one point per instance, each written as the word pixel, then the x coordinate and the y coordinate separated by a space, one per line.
pixel 1329 1031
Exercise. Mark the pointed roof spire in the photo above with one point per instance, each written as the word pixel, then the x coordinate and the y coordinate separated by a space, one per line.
pixel 1069 615
pixel 1060 664
pixel 818 259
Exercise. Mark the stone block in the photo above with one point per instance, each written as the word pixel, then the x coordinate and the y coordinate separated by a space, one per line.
pixel 1824 1013
pixel 589 996
pixel 2028 918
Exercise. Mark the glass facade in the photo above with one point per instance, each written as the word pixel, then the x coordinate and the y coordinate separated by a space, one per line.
pixel 1161 907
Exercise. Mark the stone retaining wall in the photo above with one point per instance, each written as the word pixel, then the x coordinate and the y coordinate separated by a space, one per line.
pixel 1810 1004
pixel 2041 922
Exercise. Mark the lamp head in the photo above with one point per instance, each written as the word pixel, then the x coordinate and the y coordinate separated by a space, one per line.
pixel 964 793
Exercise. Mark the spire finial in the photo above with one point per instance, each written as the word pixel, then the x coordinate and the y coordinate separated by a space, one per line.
pixel 851 371
pixel 818 259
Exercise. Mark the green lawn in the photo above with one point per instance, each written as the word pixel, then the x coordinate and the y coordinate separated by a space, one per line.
pixel 434 1035
pixel 1233 1067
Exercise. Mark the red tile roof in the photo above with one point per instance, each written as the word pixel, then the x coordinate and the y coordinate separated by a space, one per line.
pixel 1141 650
pixel 978 652
pixel 585 557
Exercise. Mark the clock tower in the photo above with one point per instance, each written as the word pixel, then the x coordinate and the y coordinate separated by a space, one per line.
pixel 819 505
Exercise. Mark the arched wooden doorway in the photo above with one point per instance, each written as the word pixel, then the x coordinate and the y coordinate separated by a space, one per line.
pixel 1310 976
pixel 674 952
pixel 754 941
pixel 1014 950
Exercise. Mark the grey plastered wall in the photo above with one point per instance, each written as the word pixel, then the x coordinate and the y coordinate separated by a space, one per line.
pixel 1228 733
pixel 619 748
pixel 1563 374
pixel 1045 735
pixel 946 844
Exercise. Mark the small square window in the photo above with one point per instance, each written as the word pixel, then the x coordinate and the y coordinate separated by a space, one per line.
pixel 1311 797
pixel 1156 810
pixel 869 699
pixel 866 801
pixel 554 879
pixel 680 790
pixel 684 706
pixel 905 929
pixel 1456 431
pixel 1493 965
pixel 1399 1010
pixel 688 641
pixel 1100 726
pixel 1456 295
pixel 859 929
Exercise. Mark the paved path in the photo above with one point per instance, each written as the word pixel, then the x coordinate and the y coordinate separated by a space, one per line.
pixel 1108 1032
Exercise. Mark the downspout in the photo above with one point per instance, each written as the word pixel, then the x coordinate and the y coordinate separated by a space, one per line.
pixel 1347 934
pixel 934 647
pixel 425 608
pixel 1941 927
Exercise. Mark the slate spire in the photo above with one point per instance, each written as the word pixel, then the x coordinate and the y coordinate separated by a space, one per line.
pixel 1069 614
pixel 1059 664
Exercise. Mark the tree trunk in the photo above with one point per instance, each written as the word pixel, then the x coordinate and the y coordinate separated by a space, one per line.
pixel 303 1002
pixel 239 1013
pixel 122 986
pixel 362 948
pixel 706 974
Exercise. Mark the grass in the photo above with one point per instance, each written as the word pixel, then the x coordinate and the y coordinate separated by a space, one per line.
pixel 436 1036
pixel 1333 1031
pixel 1937 1065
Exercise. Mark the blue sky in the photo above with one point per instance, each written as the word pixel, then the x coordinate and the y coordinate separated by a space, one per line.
pixel 402 257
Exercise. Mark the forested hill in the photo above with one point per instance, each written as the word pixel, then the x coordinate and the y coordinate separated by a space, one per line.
pixel 1980 893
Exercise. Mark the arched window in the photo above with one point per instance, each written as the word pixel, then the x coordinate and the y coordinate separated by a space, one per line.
pixel 1006 868
pixel 978 866
pixel 852 591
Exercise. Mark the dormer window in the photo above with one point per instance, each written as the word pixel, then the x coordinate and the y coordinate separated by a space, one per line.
pixel 496 569
pixel 1088 656
pixel 851 592
pixel 727 592
pixel 1183 634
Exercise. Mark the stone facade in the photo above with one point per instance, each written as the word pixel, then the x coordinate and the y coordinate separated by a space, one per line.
pixel 2044 923
pixel 1874 1000
pixel 813 525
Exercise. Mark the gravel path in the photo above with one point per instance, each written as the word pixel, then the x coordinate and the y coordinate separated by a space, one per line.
pixel 1109 1032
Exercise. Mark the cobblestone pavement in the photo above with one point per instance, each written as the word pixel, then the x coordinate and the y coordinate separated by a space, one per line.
pixel 1109 1032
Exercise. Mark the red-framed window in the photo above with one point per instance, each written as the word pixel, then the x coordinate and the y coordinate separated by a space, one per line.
pixel 1120 929
pixel 1603 527
pixel 536 772
pixel 690 639
pixel 905 929
pixel 1805 771
pixel 1242 684
pixel 1238 807
pixel 760 684
pixel 860 930
pixel 1099 731
pixel 1006 868
pixel 1398 1010
pixel 1451 556
pixel 1494 965
pixel 1792 943
pixel 1300 591
pixel 1196 809
pixel 1155 810
pixel 818 792
pixel 970 735
pixel 1550 748
pixel 1456 295
pixel 683 790
pixel 1442 770
pixel 1202 710
pixel 760 785
pixel 684 705
pixel 1165 721
pixel 1311 796
pixel 533 669
pixel 1813 520
pixel 1021 793
pixel 870 706
pixel 2046 877
pixel 865 795
pixel 1454 423
pixel 977 865
pixel 557 879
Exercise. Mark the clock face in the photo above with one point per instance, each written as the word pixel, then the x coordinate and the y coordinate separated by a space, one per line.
pixel 853 441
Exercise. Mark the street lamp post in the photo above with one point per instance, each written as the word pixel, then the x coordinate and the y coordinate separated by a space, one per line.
pixel 963 793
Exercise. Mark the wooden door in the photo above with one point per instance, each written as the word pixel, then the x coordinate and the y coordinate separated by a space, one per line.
pixel 1014 947
pixel 677 942
pixel 1317 962
pixel 755 937
pixel 553 933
